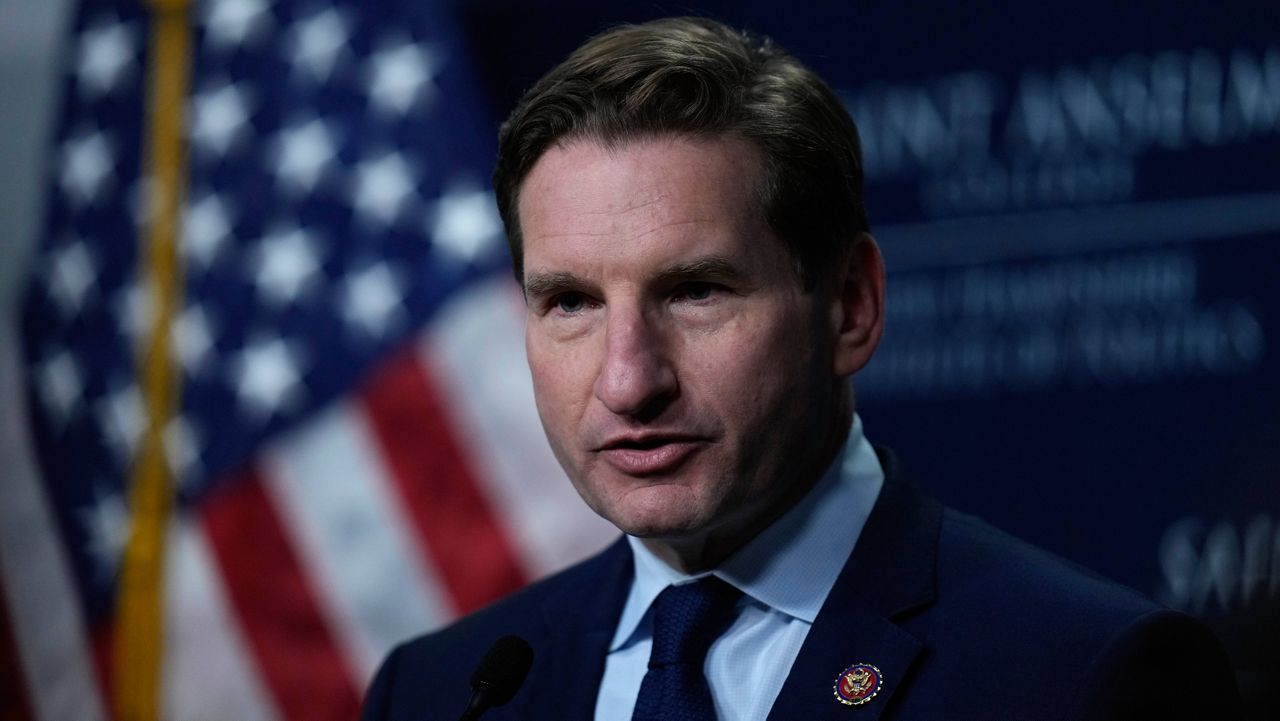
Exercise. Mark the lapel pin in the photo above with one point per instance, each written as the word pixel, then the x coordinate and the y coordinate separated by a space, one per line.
pixel 858 684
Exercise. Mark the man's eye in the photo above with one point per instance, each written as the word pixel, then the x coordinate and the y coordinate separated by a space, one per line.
pixel 695 291
pixel 570 302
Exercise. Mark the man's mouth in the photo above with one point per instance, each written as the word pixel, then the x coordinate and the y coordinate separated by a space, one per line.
pixel 649 454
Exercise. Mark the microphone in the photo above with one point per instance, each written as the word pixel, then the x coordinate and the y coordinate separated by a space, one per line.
pixel 499 675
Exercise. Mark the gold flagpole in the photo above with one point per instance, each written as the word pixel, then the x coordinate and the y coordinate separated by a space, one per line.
pixel 139 645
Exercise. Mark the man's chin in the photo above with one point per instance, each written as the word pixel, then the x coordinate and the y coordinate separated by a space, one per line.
pixel 674 511
pixel 660 524
pixel 660 530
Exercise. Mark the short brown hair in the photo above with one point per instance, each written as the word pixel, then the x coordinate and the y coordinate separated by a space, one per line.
pixel 699 77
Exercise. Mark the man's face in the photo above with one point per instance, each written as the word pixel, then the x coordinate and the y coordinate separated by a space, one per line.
pixel 683 375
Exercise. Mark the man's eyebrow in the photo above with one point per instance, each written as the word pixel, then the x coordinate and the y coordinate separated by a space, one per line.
pixel 712 268
pixel 540 285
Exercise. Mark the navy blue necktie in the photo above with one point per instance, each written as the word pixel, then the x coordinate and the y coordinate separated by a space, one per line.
pixel 686 619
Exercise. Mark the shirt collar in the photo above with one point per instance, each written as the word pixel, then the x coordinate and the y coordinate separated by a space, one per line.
pixel 792 565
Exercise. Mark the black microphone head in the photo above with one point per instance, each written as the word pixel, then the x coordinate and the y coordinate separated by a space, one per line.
pixel 503 669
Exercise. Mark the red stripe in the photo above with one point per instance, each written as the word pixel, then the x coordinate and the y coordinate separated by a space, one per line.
pixel 297 654
pixel 454 519
pixel 102 641
pixel 14 703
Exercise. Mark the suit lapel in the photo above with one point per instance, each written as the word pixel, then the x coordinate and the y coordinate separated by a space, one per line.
pixel 892 570
pixel 839 639
pixel 580 623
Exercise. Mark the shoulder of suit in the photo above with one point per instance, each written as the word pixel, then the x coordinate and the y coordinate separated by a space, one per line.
pixel 981 563
pixel 1070 643
pixel 523 613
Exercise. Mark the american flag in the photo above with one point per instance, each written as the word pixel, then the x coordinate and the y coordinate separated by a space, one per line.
pixel 356 455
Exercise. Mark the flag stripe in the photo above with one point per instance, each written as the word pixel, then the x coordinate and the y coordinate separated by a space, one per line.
pixel 41 595
pixel 296 652
pixel 475 346
pixel 208 668
pixel 451 513
pixel 13 693
pixel 102 644
pixel 353 537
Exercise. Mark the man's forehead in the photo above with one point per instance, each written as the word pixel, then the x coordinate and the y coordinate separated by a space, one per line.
pixel 585 186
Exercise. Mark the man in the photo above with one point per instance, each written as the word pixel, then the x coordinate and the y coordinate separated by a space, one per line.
pixel 684 206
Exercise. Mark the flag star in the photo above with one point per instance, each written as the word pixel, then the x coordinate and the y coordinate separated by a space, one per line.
pixel 62 384
pixel 106 525
pixel 72 277
pixel 193 339
pixel 207 228
pixel 87 163
pixel 106 51
pixel 401 74
pixel 371 299
pixel 383 186
pixel 233 22
pixel 465 224
pixel 286 265
pixel 135 310
pixel 266 377
pixel 182 449
pixel 317 41
pixel 122 416
pixel 218 118
pixel 303 152
pixel 143 200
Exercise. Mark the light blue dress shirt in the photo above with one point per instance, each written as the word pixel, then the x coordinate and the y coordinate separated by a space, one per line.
pixel 785 574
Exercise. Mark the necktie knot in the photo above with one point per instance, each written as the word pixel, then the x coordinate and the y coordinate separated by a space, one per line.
pixel 688 618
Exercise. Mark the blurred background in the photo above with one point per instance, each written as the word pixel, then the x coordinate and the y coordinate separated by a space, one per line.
pixel 1078 202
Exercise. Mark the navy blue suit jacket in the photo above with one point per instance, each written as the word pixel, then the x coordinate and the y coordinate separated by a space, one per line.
pixel 964 622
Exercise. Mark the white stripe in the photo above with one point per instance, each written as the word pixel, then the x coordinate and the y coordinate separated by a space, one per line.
pixel 336 500
pixel 475 348
pixel 208 672
pixel 41 593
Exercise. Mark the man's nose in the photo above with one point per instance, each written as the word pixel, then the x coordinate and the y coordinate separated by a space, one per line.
pixel 636 377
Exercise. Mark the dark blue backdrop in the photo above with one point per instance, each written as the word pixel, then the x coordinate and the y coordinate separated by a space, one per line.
pixel 1080 207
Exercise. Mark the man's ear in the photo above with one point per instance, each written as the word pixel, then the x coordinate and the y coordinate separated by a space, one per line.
pixel 857 306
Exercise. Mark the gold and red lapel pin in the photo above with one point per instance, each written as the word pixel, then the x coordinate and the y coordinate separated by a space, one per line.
pixel 858 684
